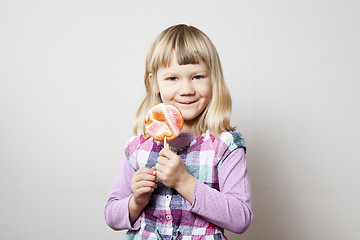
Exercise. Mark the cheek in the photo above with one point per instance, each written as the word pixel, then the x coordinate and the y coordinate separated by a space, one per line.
pixel 206 96
pixel 166 96
pixel 205 92
pixel 163 93
pixel 208 93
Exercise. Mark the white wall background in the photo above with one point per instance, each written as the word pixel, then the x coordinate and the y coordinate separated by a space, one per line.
pixel 71 81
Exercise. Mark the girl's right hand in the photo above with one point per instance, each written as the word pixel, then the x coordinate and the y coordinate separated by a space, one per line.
pixel 143 184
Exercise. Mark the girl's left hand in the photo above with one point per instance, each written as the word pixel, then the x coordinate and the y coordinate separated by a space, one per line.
pixel 170 169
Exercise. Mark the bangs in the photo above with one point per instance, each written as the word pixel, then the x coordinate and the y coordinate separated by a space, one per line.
pixel 186 42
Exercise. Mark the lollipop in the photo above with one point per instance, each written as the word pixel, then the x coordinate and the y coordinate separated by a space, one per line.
pixel 164 122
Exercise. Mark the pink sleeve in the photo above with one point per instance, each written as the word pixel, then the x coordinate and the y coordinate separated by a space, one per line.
pixel 231 206
pixel 117 207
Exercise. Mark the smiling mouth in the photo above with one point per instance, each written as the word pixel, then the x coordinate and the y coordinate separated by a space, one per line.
pixel 188 102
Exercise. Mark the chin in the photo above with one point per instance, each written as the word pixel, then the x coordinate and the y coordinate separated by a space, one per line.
pixel 190 117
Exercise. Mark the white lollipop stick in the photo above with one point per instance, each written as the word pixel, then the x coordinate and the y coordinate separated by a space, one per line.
pixel 165 144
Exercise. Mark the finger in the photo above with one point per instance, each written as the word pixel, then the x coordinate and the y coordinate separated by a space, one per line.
pixel 143 172
pixel 167 153
pixel 145 177
pixel 142 184
pixel 144 190
pixel 160 175
pixel 156 178
pixel 146 170
pixel 163 160
pixel 160 168
pixel 151 184
pixel 164 178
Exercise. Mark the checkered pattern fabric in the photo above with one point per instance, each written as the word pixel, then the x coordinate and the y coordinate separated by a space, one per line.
pixel 167 215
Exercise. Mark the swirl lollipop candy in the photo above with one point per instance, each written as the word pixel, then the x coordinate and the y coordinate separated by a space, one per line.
pixel 164 122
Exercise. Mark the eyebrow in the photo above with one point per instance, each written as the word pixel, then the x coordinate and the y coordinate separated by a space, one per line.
pixel 202 70
pixel 167 74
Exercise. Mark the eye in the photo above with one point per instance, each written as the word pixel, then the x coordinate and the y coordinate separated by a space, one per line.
pixel 198 77
pixel 172 78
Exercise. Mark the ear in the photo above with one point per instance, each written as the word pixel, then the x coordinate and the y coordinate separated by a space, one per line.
pixel 153 83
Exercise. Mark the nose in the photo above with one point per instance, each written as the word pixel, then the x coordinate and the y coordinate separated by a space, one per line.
pixel 187 88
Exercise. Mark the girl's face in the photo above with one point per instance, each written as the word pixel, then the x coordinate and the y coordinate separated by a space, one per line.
pixel 188 87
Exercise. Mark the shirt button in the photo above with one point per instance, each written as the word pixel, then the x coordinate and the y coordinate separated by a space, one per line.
pixel 168 217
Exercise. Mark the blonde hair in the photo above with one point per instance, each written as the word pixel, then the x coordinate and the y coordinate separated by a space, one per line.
pixel 190 46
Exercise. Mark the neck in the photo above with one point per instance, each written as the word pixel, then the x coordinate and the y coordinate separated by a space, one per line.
pixel 188 126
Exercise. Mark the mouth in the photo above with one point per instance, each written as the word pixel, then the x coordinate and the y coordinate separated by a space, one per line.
pixel 187 102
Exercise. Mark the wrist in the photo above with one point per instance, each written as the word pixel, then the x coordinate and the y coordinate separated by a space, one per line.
pixel 134 209
pixel 186 187
pixel 135 205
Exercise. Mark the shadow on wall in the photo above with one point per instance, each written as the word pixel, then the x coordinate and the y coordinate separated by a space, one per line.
pixel 276 201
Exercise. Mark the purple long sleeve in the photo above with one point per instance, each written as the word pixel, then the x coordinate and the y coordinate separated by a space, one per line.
pixel 117 207
pixel 231 207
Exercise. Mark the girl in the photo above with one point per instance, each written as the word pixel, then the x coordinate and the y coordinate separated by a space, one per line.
pixel 200 186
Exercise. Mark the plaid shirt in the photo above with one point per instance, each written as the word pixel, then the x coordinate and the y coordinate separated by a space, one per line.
pixel 168 215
